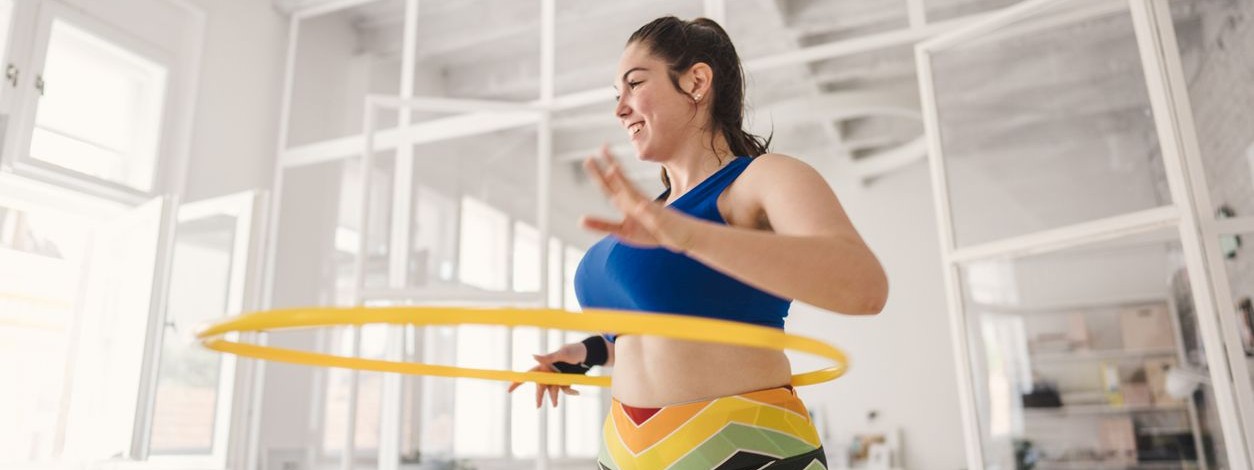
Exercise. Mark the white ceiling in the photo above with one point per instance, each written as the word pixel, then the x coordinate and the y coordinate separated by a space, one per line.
pixel 1027 110
pixel 489 49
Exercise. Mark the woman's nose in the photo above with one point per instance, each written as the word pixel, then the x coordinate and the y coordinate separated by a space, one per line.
pixel 620 108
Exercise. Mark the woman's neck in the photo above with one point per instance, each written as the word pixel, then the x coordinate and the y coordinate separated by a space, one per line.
pixel 695 162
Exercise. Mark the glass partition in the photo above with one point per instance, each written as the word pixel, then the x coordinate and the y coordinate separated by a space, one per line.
pixel 1045 122
pixel 1076 358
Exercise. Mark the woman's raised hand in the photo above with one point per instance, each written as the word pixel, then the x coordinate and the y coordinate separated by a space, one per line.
pixel 573 353
pixel 646 223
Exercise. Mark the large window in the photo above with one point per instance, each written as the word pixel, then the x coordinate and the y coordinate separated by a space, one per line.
pixel 75 303
pixel 41 260
pixel 483 251
pixel 86 238
pixel 451 421
pixel 100 108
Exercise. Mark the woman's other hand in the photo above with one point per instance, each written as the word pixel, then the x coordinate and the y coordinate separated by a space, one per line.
pixel 573 353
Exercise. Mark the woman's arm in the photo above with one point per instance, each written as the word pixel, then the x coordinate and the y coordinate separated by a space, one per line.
pixel 814 255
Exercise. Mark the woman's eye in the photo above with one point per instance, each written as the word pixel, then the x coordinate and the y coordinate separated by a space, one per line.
pixel 632 84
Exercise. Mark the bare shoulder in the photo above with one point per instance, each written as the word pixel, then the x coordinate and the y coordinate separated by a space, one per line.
pixel 778 161
pixel 794 197
pixel 771 171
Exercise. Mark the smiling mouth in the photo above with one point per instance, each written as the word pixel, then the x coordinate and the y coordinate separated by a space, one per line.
pixel 635 128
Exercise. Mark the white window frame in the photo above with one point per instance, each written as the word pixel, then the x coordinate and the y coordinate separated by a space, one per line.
pixel 234 375
pixel 21 127
pixel 16 53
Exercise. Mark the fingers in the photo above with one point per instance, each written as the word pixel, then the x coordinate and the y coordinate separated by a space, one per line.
pixel 600 225
pixel 545 365
pixel 542 367
pixel 614 173
pixel 609 176
pixel 590 165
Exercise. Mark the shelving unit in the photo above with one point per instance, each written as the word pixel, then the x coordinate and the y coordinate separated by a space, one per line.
pixel 1071 410
pixel 1104 355
pixel 1076 359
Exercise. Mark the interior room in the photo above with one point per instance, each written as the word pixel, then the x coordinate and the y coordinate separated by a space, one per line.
pixel 330 234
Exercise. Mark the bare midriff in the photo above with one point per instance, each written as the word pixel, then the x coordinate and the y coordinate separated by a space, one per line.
pixel 652 372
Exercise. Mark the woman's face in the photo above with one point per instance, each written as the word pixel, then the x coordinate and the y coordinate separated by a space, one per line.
pixel 656 116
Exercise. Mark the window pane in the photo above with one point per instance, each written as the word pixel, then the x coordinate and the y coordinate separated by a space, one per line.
pixel 526 258
pixel 438 397
pixel 338 341
pixel 41 256
pixel 479 406
pixel 583 416
pixel 556 428
pixel 189 376
pixel 378 224
pixel 466 249
pixel 555 296
pixel 1038 117
pixel 572 256
pixel 484 245
pixel 434 255
pixel 524 417
pixel 101 110
pixel 1216 41
pixel 114 321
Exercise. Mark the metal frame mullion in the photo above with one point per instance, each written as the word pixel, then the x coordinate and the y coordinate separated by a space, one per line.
pixel 973 437
pixel 1071 236
pixel 544 152
pixel 398 251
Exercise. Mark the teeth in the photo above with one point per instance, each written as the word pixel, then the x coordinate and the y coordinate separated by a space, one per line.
pixel 635 128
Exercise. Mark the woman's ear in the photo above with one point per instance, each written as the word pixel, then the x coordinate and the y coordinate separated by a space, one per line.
pixel 700 81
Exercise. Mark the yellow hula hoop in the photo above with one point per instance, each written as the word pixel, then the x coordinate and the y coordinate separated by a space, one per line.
pixel 592 320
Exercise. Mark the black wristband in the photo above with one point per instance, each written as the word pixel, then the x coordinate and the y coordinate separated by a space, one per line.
pixel 598 352
pixel 568 368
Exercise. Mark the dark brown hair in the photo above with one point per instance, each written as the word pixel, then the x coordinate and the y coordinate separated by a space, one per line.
pixel 682 44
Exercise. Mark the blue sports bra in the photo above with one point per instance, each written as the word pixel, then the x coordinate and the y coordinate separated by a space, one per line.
pixel 614 275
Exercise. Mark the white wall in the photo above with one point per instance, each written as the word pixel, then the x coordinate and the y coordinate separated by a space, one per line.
pixel 901 361
pixel 233 142
pixel 237 107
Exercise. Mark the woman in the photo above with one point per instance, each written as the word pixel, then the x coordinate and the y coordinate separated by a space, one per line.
pixel 737 234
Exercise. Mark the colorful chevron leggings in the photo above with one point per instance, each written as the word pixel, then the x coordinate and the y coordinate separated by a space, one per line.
pixel 766 429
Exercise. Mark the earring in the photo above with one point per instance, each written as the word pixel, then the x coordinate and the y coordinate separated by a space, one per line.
pixel 697 98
